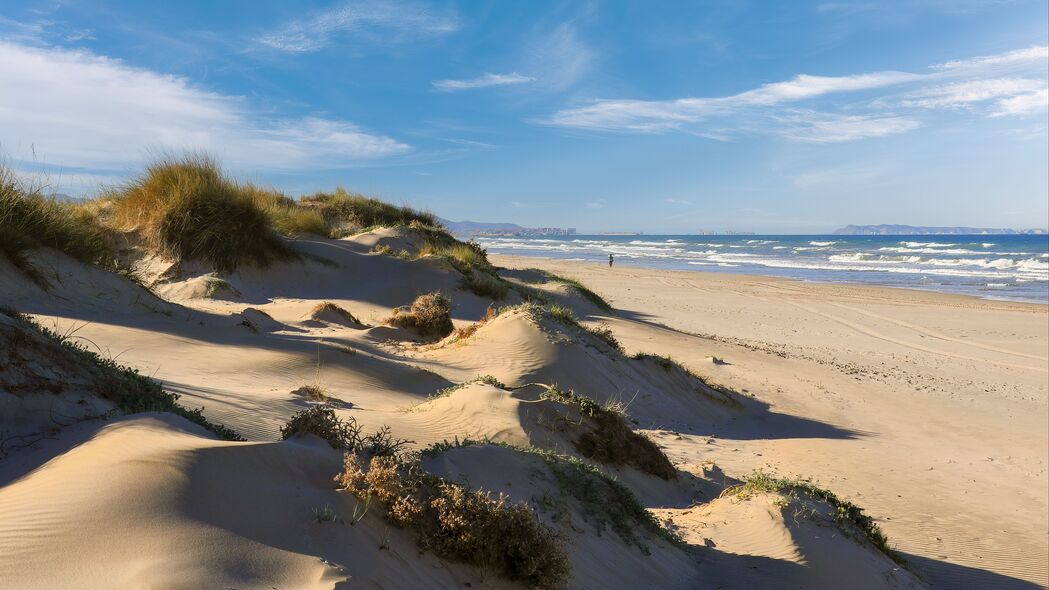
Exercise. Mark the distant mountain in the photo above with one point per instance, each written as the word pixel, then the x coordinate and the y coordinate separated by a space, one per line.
pixel 476 227
pixel 480 228
pixel 64 198
pixel 923 230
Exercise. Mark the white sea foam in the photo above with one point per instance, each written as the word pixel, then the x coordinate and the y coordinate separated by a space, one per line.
pixel 822 243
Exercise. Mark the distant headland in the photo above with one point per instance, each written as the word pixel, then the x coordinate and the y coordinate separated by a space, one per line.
pixel 917 230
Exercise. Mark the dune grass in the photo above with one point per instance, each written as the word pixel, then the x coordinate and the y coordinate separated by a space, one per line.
pixel 580 288
pixel 188 210
pixel 129 391
pixel 429 315
pixel 286 215
pixel 30 220
pixel 469 526
pixel 566 317
pixel 470 259
pixel 329 307
pixel 611 440
pixel 605 502
pixel 343 209
pixel 848 516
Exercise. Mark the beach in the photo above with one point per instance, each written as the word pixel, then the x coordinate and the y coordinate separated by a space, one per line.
pixel 928 409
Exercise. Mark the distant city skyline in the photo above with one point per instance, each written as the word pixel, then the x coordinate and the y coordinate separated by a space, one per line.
pixel 800 117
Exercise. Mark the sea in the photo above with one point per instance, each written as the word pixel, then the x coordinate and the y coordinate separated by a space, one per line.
pixel 1009 267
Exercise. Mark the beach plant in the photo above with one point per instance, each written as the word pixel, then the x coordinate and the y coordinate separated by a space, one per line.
pixel 486 379
pixel 285 214
pixel 580 288
pixel 609 439
pixel 321 421
pixel 28 220
pixel 186 209
pixel 429 315
pixel 325 515
pixel 453 522
pixel 327 307
pixel 848 516
pixel 344 210
pixel 128 390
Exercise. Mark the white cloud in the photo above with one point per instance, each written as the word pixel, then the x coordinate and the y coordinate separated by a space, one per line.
pixel 77 109
pixel 377 20
pixel 655 115
pixel 828 128
pixel 960 94
pixel 767 109
pixel 1023 104
pixel 1032 53
pixel 485 81
pixel 558 57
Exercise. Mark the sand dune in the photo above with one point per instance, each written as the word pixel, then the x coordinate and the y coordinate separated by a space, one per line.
pixel 151 499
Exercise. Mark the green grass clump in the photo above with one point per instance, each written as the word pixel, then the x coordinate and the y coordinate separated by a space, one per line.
pixel 469 526
pixel 846 515
pixel 582 290
pixel 320 420
pixel 188 210
pixel 566 317
pixel 664 361
pixel 486 285
pixel 486 379
pixel 30 220
pixel 341 208
pixel 286 215
pixel 610 440
pixel 129 391
pixel 429 315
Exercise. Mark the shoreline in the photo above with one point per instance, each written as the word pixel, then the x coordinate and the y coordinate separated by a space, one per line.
pixel 518 259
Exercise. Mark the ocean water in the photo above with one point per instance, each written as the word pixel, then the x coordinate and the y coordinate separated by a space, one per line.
pixel 1014 267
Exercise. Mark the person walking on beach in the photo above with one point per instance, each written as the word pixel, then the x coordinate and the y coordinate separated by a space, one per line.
pixel 610 259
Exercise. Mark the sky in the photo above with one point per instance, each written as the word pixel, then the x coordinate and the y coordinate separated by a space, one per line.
pixel 661 117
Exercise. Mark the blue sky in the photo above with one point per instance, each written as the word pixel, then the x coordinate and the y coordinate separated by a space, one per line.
pixel 788 117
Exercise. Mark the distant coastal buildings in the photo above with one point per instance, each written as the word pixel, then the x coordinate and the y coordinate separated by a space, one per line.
pixel 480 228
pixel 919 230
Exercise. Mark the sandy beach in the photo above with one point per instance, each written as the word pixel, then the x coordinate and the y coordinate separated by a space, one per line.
pixel 930 410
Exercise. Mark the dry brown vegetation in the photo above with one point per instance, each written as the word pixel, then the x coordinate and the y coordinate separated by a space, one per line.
pixel 429 315
pixel 610 439
pixel 459 524
pixel 327 307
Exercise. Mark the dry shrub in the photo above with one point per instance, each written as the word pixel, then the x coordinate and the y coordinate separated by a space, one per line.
pixel 188 210
pixel 611 440
pixel 467 331
pixel 328 306
pixel 462 525
pixel 430 315
pixel 321 421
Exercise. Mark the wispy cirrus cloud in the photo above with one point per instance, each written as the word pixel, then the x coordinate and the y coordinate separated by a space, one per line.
pixel 772 108
pixel 485 81
pixel 381 20
pixel 107 112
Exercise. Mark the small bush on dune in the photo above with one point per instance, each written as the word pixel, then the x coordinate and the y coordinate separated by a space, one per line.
pixel 565 316
pixel 462 525
pixel 321 421
pixel 430 315
pixel 470 259
pixel 328 307
pixel 611 440
pixel 30 220
pixel 187 210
